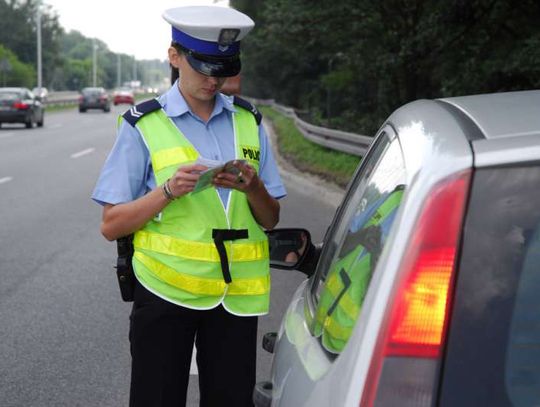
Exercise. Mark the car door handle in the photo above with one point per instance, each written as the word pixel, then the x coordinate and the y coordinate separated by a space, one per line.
pixel 269 341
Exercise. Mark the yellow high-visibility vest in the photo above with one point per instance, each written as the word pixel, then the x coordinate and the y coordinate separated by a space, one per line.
pixel 176 255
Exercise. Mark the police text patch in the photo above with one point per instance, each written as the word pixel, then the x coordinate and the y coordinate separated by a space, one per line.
pixel 251 153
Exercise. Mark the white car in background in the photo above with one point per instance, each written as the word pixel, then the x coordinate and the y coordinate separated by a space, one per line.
pixel 426 289
pixel 41 93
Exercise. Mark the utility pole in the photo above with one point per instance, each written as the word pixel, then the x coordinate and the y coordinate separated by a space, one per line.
pixel 118 71
pixel 134 68
pixel 94 63
pixel 38 31
pixel 328 88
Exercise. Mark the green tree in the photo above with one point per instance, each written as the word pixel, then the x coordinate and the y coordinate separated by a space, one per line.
pixel 351 62
pixel 13 72
pixel 18 33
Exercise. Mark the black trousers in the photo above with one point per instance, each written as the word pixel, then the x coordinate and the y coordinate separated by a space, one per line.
pixel 162 336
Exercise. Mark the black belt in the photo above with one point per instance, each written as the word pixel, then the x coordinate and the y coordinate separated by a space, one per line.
pixel 221 235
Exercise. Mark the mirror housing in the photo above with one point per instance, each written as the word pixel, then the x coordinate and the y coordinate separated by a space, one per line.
pixel 292 249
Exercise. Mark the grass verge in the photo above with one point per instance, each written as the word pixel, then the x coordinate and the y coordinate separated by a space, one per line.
pixel 60 107
pixel 329 164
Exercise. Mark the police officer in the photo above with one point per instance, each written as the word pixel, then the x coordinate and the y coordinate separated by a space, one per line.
pixel 200 258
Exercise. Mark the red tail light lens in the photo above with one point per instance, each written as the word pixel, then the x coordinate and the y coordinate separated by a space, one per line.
pixel 416 319
pixel 21 105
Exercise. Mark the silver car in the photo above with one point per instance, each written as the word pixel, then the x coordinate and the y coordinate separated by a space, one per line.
pixel 426 289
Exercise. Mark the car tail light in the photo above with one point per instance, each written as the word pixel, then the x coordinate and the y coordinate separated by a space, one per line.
pixel 21 105
pixel 81 98
pixel 103 98
pixel 405 361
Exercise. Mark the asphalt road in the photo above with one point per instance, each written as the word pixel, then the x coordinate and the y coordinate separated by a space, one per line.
pixel 64 328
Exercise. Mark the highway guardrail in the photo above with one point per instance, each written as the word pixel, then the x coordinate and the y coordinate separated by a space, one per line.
pixel 62 98
pixel 351 143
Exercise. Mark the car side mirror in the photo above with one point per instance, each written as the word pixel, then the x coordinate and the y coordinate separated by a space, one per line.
pixel 292 249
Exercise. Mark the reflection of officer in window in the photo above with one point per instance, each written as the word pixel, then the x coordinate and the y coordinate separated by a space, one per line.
pixel 347 282
pixel 200 259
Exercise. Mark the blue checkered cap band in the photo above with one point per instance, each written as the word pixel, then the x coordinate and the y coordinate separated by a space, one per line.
pixel 204 47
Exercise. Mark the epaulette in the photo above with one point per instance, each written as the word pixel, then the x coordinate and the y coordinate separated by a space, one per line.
pixel 133 115
pixel 248 106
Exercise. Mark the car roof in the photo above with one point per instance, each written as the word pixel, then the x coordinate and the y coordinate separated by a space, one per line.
pixel 13 89
pixel 507 114
pixel 497 128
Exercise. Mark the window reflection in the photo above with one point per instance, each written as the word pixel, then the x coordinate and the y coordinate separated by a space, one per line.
pixel 359 240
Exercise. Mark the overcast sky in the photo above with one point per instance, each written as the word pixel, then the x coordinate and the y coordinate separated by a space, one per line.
pixel 132 27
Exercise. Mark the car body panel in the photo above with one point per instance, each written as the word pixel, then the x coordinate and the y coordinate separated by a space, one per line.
pixel 516 150
pixel 439 139
pixel 309 361
pixel 508 114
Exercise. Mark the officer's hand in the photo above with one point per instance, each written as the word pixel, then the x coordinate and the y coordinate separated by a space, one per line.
pixel 246 180
pixel 184 179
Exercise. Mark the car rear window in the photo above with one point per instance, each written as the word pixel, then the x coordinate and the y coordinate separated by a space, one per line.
pixel 10 95
pixel 493 349
pixel 91 92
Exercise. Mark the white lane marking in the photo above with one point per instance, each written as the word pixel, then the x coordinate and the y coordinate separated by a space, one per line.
pixel 55 126
pixel 193 368
pixel 6 135
pixel 5 179
pixel 83 152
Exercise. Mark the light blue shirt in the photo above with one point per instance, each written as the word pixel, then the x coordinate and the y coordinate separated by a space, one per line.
pixel 127 173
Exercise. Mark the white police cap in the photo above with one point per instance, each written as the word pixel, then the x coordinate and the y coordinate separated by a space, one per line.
pixel 210 36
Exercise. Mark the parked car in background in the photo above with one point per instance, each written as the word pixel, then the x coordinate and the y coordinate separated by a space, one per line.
pixel 425 289
pixel 19 105
pixel 41 93
pixel 94 98
pixel 123 96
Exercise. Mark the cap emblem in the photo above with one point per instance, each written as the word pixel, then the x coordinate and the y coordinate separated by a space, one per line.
pixel 227 36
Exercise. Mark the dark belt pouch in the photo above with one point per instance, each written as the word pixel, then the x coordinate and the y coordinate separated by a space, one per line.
pixel 124 268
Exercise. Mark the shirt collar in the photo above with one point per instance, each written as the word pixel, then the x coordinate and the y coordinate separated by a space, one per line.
pixel 175 105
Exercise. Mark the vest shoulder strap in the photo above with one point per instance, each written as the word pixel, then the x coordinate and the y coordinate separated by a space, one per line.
pixel 248 106
pixel 133 115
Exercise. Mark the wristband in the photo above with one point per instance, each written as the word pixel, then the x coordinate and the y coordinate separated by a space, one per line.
pixel 167 191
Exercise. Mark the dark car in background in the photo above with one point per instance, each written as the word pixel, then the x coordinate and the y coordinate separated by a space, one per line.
pixel 94 98
pixel 425 291
pixel 19 105
pixel 123 96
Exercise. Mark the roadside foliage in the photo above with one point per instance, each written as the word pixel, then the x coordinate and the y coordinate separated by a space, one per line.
pixel 349 63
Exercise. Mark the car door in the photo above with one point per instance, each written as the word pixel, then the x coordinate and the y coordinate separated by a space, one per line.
pixel 321 320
